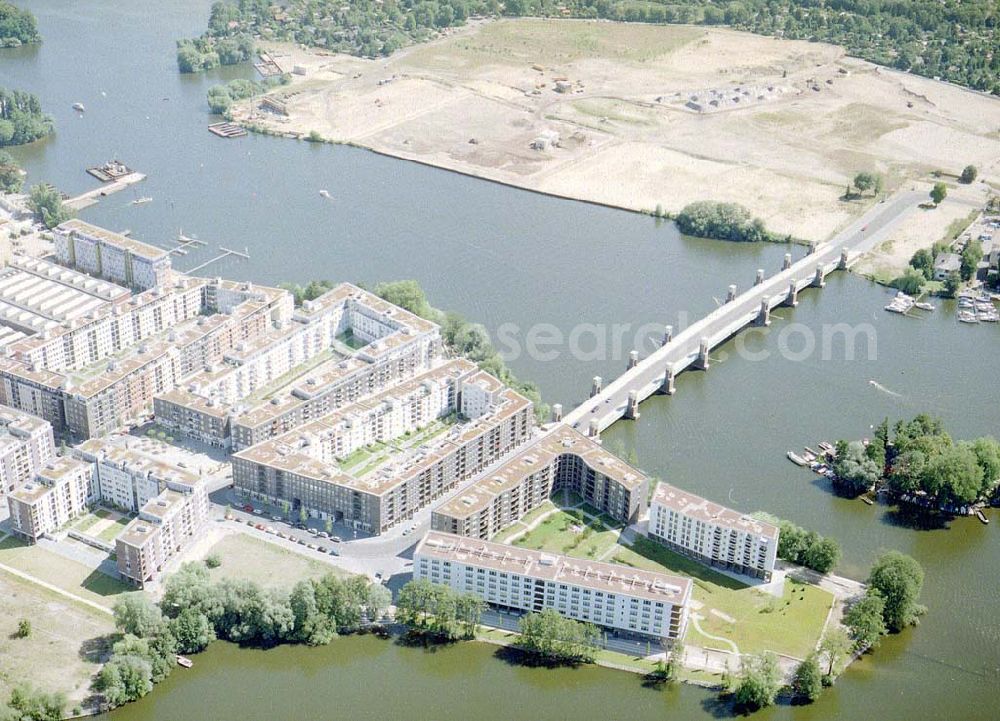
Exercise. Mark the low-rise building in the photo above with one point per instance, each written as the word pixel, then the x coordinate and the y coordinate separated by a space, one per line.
pixel 625 600
pixel 166 524
pixel 713 534
pixel 945 264
pixel 60 492
pixel 561 460
pixel 26 444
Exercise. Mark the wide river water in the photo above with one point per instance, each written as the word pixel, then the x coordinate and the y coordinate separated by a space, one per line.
pixel 515 261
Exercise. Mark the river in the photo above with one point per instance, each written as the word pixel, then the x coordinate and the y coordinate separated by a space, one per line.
pixel 514 261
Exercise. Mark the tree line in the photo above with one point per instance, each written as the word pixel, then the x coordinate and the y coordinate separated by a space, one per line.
pixel 21 118
pixel 920 457
pixel 221 97
pixel 954 41
pixel 17 26
pixel 801 547
pixel 438 611
pixel 195 611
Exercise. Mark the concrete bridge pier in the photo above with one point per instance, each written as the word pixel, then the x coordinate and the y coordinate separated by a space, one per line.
pixel 594 429
pixel 667 387
pixel 632 406
pixel 844 256
pixel 787 262
pixel 764 316
pixel 556 412
pixel 668 334
pixel 702 361
pixel 633 359
pixel 760 277
pixel 818 280
pixel 792 299
pixel 731 295
pixel 595 387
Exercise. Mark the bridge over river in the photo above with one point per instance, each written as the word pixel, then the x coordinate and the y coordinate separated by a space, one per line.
pixel 692 346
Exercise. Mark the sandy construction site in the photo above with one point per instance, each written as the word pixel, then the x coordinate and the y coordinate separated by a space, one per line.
pixel 639 115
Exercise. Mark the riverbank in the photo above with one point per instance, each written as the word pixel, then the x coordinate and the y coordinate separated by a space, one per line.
pixel 558 106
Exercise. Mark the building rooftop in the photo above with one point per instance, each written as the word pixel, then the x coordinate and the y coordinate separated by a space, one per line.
pixel 709 512
pixel 136 247
pixel 606 577
pixel 533 458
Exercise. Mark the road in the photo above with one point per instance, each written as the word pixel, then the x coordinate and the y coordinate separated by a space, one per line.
pixel 648 375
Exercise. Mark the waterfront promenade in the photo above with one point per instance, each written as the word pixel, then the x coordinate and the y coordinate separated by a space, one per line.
pixel 692 345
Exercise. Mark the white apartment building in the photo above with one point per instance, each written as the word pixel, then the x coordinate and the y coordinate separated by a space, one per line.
pixel 713 534
pixel 625 600
pixel 60 492
pixel 26 444
pixel 116 257
pixel 165 526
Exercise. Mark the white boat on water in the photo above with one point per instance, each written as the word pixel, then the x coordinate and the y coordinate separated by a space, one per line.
pixel 965 316
pixel 140 201
pixel 923 306
pixel 78 107
pixel 325 193
pixel 797 459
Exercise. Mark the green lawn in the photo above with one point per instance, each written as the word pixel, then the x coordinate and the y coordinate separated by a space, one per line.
pixel 71 576
pixel 111 532
pixel 789 625
pixel 559 534
pixel 246 557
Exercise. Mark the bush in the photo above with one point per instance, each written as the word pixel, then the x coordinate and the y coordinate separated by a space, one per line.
pixel 969 174
pixel 213 560
pixel 722 221
pixel 23 628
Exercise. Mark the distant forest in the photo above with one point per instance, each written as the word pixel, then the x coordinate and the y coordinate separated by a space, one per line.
pixel 17 27
pixel 955 40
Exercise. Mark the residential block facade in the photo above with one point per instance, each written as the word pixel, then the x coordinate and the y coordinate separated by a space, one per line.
pixel 26 445
pixel 619 598
pixel 711 533
pixel 60 491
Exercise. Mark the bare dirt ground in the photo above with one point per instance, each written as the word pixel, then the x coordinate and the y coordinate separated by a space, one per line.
pixel 808 117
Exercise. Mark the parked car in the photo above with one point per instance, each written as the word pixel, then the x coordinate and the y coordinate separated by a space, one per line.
pixel 312 531
pixel 276 518
pixel 323 534
pixel 257 511
pixel 271 530
pixel 335 539
pixel 311 546
pixel 248 508
pixel 334 552
pixel 321 549
pixel 302 541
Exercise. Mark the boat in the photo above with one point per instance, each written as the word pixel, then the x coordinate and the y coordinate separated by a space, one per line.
pixel 966 316
pixel 923 305
pixel 184 662
pixel 868 500
pixel 797 459
pixel 982 516
pixel 140 201
pixel 78 107
pixel 325 193
pixel 809 456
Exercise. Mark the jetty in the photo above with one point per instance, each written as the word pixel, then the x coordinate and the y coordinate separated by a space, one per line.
pixel 111 171
pixel 91 197
pixel 227 130
pixel 691 347
pixel 226 252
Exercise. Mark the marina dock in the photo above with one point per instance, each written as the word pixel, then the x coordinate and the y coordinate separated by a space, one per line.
pixel 227 130
pixel 91 197
pixel 226 252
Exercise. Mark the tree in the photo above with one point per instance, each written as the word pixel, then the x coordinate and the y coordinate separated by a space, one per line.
pixel 213 560
pixel 219 99
pixel 406 294
pixel 899 579
pixel 969 174
pixel 939 192
pixel 833 648
pixel 954 475
pixel 551 636
pixel 822 555
pixel 23 628
pixel 971 255
pixel 124 679
pixel 34 705
pixel 808 681
pixel 855 472
pixel 864 619
pixel 378 598
pixel 11 177
pixel 722 221
pixel 952 282
pixel 987 451
pixel 865 180
pixel 17 27
pixel 192 630
pixel 21 118
pixel 46 203
pixel 759 681
pixel 910 282
pixel 303 515
pixel 137 615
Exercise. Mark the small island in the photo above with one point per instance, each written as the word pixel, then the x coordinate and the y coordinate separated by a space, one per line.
pixel 21 118
pixel 17 27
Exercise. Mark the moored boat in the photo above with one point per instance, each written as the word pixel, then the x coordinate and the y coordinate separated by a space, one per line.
pixel 797 459
pixel 981 516
pixel 184 661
